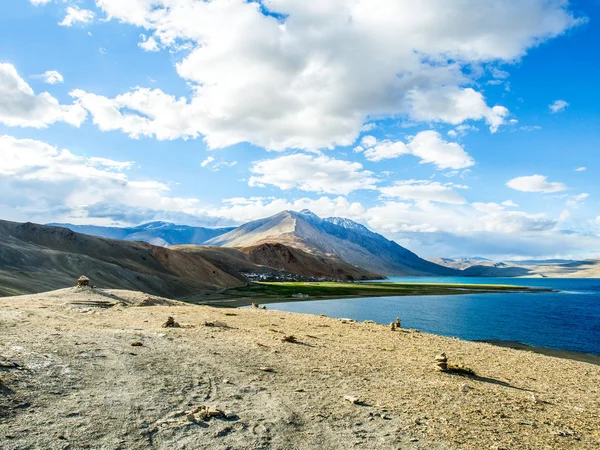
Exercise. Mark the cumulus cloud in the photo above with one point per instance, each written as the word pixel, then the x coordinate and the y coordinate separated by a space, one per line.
pixel 424 190
pixel 76 15
pixel 312 173
pixel 51 77
pixel 21 107
pixel 297 75
pixel 430 217
pixel 426 145
pixel 558 106
pixel 535 183
pixel 41 181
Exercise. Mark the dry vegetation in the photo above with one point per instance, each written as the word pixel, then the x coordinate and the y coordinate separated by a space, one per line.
pixel 84 368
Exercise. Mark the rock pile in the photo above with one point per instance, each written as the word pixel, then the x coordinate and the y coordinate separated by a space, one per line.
pixel 442 362
pixel 170 323
pixel 83 281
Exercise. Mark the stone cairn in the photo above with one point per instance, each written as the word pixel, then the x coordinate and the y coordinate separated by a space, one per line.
pixel 442 362
pixel 170 323
pixel 83 281
pixel 255 305
pixel 396 325
pixel 393 326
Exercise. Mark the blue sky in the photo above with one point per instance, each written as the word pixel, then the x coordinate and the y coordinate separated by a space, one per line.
pixel 466 129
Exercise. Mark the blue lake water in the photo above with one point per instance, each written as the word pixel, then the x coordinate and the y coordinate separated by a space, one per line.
pixel 565 320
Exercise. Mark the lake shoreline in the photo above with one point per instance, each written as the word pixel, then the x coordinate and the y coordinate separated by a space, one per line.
pixel 563 354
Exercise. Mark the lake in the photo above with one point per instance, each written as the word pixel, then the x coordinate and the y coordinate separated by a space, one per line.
pixel 565 320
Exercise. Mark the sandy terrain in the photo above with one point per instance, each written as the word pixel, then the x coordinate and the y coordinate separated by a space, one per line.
pixel 70 379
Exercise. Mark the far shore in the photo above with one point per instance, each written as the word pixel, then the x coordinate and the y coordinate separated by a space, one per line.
pixel 285 292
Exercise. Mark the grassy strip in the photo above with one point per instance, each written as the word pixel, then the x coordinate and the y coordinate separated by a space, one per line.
pixel 283 292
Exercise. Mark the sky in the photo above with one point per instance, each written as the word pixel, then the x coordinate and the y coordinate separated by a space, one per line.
pixel 463 128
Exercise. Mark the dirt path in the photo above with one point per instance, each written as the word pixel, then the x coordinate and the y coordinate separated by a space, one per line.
pixel 71 379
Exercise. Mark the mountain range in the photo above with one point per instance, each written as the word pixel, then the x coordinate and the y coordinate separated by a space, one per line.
pixel 336 241
pixel 156 233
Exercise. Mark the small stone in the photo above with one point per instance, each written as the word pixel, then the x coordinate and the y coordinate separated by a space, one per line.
pixel 266 369
pixel 230 415
pixel 465 388
pixel 137 344
pixel 226 382
pixel 214 412
pixel 414 440
pixel 352 399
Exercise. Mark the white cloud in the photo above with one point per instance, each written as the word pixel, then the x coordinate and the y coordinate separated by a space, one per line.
pixel 386 150
pixel 312 78
pixel 149 43
pixel 429 217
pixel 424 190
pixel 564 216
pixel 207 161
pixel 51 77
pixel 426 145
pixel 312 173
pixel 40 2
pixel 77 15
pixel 510 204
pixel 163 116
pixel 558 106
pixel 581 169
pixel 368 141
pixel 497 73
pixel 21 107
pixel 41 182
pixel 535 183
pixel 454 105
pixel 575 201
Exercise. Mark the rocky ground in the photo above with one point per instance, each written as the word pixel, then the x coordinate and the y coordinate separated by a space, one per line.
pixel 82 368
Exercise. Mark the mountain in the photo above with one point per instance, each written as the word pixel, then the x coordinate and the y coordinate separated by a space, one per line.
pixel 36 258
pixel 155 233
pixel 336 237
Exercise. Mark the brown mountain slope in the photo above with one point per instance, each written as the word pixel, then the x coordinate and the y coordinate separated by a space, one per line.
pixel 297 261
pixel 36 258
pixel 269 258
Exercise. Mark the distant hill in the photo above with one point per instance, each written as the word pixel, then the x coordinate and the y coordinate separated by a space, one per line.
pixel 36 258
pixel 335 237
pixel 155 233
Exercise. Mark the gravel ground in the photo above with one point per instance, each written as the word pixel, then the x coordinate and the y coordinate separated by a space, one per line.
pixel 70 378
